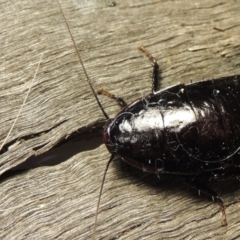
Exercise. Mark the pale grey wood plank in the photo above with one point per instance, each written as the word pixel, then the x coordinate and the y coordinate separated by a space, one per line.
pixel 192 41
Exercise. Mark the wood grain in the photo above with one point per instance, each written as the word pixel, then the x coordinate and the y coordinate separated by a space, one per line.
pixel 57 196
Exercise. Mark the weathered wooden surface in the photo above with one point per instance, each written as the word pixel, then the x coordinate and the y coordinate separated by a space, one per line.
pixel 192 40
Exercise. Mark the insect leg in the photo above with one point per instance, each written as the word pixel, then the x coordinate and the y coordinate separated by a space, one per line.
pixel 119 100
pixel 229 173
pixel 156 70
pixel 208 192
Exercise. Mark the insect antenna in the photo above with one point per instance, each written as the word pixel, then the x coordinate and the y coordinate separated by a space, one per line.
pixel 99 104
pixel 100 194
pixel 24 101
pixel 81 63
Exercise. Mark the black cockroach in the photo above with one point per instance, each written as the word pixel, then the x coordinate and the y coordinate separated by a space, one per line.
pixel 187 130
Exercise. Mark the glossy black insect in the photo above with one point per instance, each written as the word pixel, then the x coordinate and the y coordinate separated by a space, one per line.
pixel 183 129
pixel 187 130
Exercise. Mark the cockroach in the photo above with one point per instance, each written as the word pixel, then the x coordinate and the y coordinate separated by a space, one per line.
pixel 188 130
